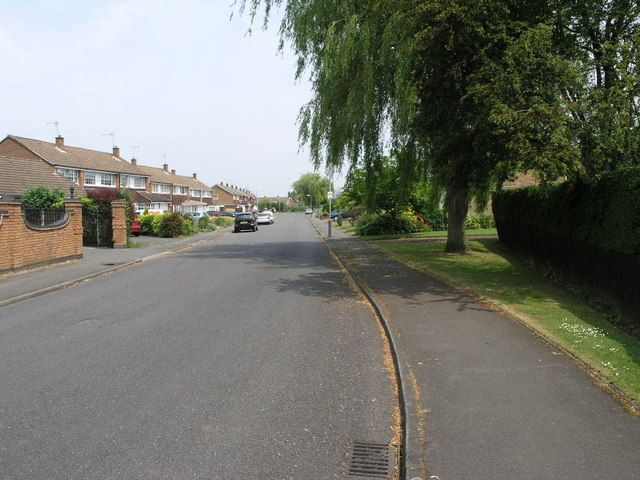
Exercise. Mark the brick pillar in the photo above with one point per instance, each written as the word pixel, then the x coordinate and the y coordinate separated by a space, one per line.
pixel 74 207
pixel 119 224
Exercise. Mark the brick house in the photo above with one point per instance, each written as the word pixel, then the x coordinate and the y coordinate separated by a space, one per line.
pixel 232 198
pixel 88 169
pixel 168 191
pixel 286 201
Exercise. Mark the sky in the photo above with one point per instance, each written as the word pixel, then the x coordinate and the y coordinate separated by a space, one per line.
pixel 179 78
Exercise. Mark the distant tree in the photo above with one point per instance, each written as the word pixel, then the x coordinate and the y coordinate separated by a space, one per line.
pixel 312 184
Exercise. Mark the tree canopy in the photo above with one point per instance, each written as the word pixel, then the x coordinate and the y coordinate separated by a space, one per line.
pixel 311 189
pixel 467 92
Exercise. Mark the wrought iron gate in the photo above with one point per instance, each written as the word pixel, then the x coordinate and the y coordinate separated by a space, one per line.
pixel 97 229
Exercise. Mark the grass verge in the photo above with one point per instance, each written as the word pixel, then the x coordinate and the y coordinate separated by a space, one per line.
pixel 435 234
pixel 566 319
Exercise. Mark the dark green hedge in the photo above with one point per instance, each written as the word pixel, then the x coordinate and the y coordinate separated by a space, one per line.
pixel 604 213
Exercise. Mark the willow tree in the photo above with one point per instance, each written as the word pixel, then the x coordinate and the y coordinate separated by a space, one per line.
pixel 411 76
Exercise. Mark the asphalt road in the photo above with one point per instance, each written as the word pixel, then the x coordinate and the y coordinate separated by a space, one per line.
pixel 250 357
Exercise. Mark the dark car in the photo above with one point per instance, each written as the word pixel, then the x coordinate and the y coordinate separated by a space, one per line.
pixel 245 221
pixel 228 214
pixel 338 213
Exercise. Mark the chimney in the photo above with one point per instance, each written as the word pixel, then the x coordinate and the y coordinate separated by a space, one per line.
pixel 226 184
pixel 60 141
pixel 134 161
pixel 165 167
pixel 116 151
pixel 173 172
pixel 195 177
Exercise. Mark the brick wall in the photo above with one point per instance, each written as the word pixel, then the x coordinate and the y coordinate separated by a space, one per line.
pixel 119 224
pixel 21 246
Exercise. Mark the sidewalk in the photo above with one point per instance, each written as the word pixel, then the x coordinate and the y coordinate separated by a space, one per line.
pixel 95 261
pixel 491 399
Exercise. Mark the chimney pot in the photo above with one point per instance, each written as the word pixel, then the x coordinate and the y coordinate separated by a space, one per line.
pixel 173 172
pixel 60 141
pixel 116 151
pixel 165 167
pixel 134 161
pixel 195 177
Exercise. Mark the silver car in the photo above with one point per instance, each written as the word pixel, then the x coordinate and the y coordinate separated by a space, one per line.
pixel 265 217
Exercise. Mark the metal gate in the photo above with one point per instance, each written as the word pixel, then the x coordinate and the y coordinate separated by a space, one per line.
pixel 97 229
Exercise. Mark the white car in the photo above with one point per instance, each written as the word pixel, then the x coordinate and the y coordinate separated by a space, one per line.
pixel 265 217
pixel 308 211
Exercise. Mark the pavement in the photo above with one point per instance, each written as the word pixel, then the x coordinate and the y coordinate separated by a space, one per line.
pixel 17 286
pixel 250 356
pixel 485 397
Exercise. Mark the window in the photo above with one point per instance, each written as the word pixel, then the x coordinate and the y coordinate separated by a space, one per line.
pixel 89 178
pixel 206 194
pixel 194 193
pixel 68 173
pixel 131 181
pixel 161 188
pixel 124 180
pixel 138 182
pixel 180 190
pixel 107 179
pixel 215 196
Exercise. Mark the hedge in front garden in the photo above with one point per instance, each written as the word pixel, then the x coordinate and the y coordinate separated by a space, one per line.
pixel 587 232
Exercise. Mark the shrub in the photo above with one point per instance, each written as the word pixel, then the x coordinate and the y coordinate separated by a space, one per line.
pixel 486 221
pixel 436 219
pixel 156 222
pixel 42 197
pixel 604 213
pixel 103 195
pixel 170 225
pixel 339 220
pixel 188 225
pixel 472 223
pixel 387 224
pixel 203 223
pixel 146 224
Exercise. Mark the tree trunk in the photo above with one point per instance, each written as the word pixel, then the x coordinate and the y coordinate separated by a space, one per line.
pixel 457 205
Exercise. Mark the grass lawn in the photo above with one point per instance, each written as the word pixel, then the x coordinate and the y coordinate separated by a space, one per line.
pixel 563 317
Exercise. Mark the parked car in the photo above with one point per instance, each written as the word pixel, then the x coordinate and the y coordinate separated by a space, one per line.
pixel 136 228
pixel 228 214
pixel 308 211
pixel 264 217
pixel 213 213
pixel 245 221
pixel 338 213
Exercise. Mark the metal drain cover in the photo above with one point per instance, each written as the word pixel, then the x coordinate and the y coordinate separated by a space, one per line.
pixel 371 460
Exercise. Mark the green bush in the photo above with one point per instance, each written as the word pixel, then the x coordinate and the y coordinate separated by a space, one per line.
pixel 387 224
pixel 170 225
pixel 42 197
pixel 146 224
pixel 604 213
pixel 189 227
pixel 436 219
pixel 472 223
pixel 486 221
pixel 156 222
pixel 339 220
pixel 203 223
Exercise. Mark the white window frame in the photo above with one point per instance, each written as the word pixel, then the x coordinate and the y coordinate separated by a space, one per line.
pixel 69 174
pixel 178 190
pixel 214 196
pixel 161 188
pixel 206 194
pixel 194 193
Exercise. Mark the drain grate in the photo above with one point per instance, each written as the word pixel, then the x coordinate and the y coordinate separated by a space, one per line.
pixel 371 460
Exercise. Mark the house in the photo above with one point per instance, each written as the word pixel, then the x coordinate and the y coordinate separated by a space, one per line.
pixel 232 198
pixel 167 191
pixel 88 169
pixel 20 173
